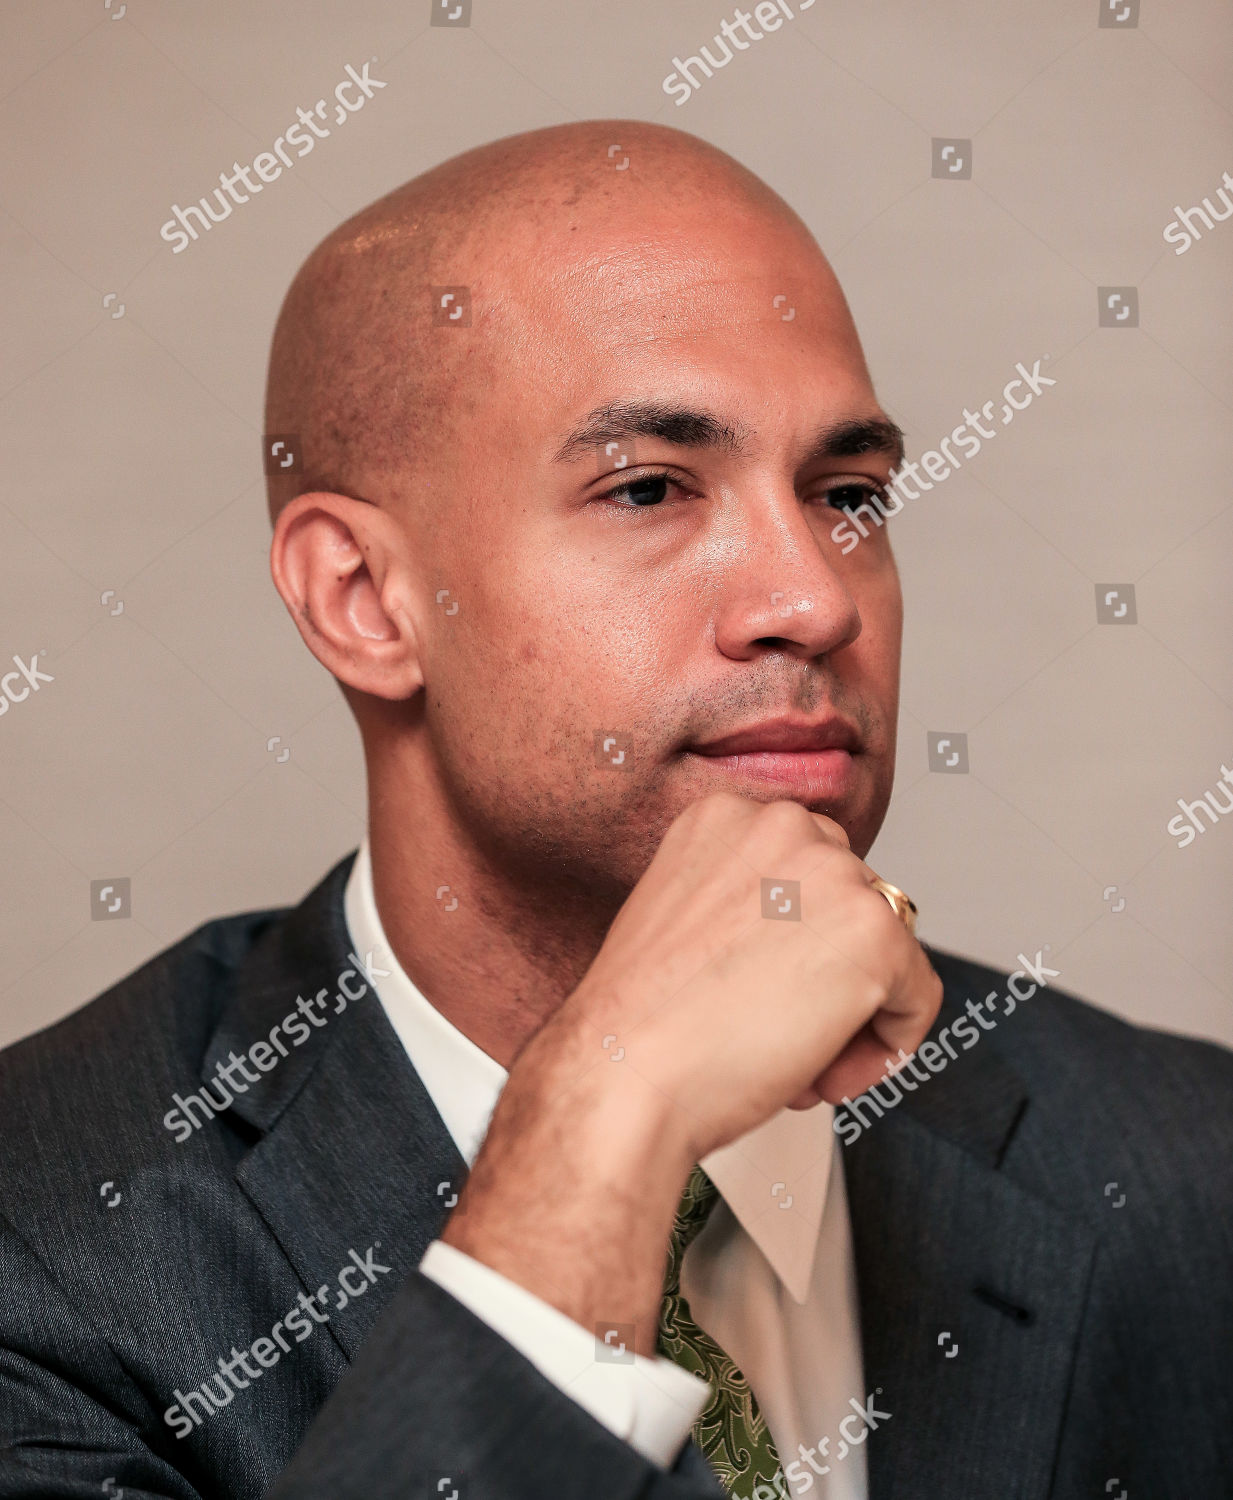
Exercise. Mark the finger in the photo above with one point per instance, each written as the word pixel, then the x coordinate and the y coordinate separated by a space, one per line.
pixel 861 1063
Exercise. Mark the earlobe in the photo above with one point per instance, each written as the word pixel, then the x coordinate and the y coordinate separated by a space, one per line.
pixel 336 564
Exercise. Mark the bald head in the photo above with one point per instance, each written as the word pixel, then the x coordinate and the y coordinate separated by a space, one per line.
pixel 370 371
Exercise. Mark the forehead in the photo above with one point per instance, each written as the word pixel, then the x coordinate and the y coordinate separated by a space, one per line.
pixel 667 273
pixel 743 312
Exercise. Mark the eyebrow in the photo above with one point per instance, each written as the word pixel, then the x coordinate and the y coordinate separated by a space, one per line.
pixel 690 427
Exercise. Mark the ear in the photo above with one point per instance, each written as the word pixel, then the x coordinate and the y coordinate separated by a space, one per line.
pixel 340 566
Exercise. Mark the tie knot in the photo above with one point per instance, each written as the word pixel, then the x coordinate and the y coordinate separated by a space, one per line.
pixel 697 1201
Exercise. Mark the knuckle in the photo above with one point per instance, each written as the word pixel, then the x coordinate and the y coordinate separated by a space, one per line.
pixel 782 813
pixel 834 831
pixel 704 810
pixel 860 919
pixel 717 805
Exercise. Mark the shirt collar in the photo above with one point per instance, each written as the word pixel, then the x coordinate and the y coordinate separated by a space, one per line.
pixel 774 1178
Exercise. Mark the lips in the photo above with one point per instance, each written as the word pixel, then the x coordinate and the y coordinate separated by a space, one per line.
pixel 784 736
pixel 808 762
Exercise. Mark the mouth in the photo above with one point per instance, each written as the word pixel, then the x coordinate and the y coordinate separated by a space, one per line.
pixel 795 758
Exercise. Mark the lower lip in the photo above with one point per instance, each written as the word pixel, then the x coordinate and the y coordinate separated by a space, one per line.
pixel 810 774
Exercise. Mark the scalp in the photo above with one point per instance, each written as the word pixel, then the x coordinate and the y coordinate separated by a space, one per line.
pixel 359 371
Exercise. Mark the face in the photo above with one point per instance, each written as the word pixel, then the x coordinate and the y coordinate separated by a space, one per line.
pixel 628 639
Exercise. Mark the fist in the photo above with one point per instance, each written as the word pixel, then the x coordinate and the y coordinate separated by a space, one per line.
pixel 753 967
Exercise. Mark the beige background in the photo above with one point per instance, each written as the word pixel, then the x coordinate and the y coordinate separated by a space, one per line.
pixel 132 443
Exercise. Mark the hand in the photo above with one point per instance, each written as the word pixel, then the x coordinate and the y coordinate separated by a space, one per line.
pixel 732 1015
pixel 725 1017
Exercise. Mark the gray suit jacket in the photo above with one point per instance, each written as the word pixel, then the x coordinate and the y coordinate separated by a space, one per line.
pixel 1090 1348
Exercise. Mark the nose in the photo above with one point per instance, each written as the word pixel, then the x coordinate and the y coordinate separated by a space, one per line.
pixel 780 593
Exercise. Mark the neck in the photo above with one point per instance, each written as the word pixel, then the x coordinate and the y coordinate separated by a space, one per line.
pixel 499 949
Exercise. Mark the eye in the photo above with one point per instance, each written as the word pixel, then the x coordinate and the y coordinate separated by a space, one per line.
pixel 850 494
pixel 646 490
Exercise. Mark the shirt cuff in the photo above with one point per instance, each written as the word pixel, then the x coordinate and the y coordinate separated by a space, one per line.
pixel 649 1403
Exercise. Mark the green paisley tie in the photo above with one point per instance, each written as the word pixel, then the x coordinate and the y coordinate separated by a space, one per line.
pixel 731 1431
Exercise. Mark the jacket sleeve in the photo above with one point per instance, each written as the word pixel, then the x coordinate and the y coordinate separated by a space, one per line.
pixel 648 1401
pixel 437 1404
pixel 72 1422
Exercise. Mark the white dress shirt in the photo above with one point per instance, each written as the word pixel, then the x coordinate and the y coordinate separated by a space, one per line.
pixel 770 1276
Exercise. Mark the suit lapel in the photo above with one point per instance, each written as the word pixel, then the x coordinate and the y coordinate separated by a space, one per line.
pixel 971 1289
pixel 352 1154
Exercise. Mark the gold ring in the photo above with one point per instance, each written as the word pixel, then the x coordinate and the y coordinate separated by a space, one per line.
pixel 900 902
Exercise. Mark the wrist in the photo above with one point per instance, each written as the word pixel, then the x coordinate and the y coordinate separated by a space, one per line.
pixel 573 1193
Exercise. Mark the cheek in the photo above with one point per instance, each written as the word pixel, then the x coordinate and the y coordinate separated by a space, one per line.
pixel 880 602
pixel 529 674
pixel 568 634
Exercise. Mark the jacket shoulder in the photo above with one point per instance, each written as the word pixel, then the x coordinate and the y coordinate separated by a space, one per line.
pixel 122 1053
pixel 1079 1060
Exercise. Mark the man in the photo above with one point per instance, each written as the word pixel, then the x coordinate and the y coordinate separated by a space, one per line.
pixel 573 443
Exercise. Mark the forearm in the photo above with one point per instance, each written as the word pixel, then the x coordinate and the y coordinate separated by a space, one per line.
pixel 573 1194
